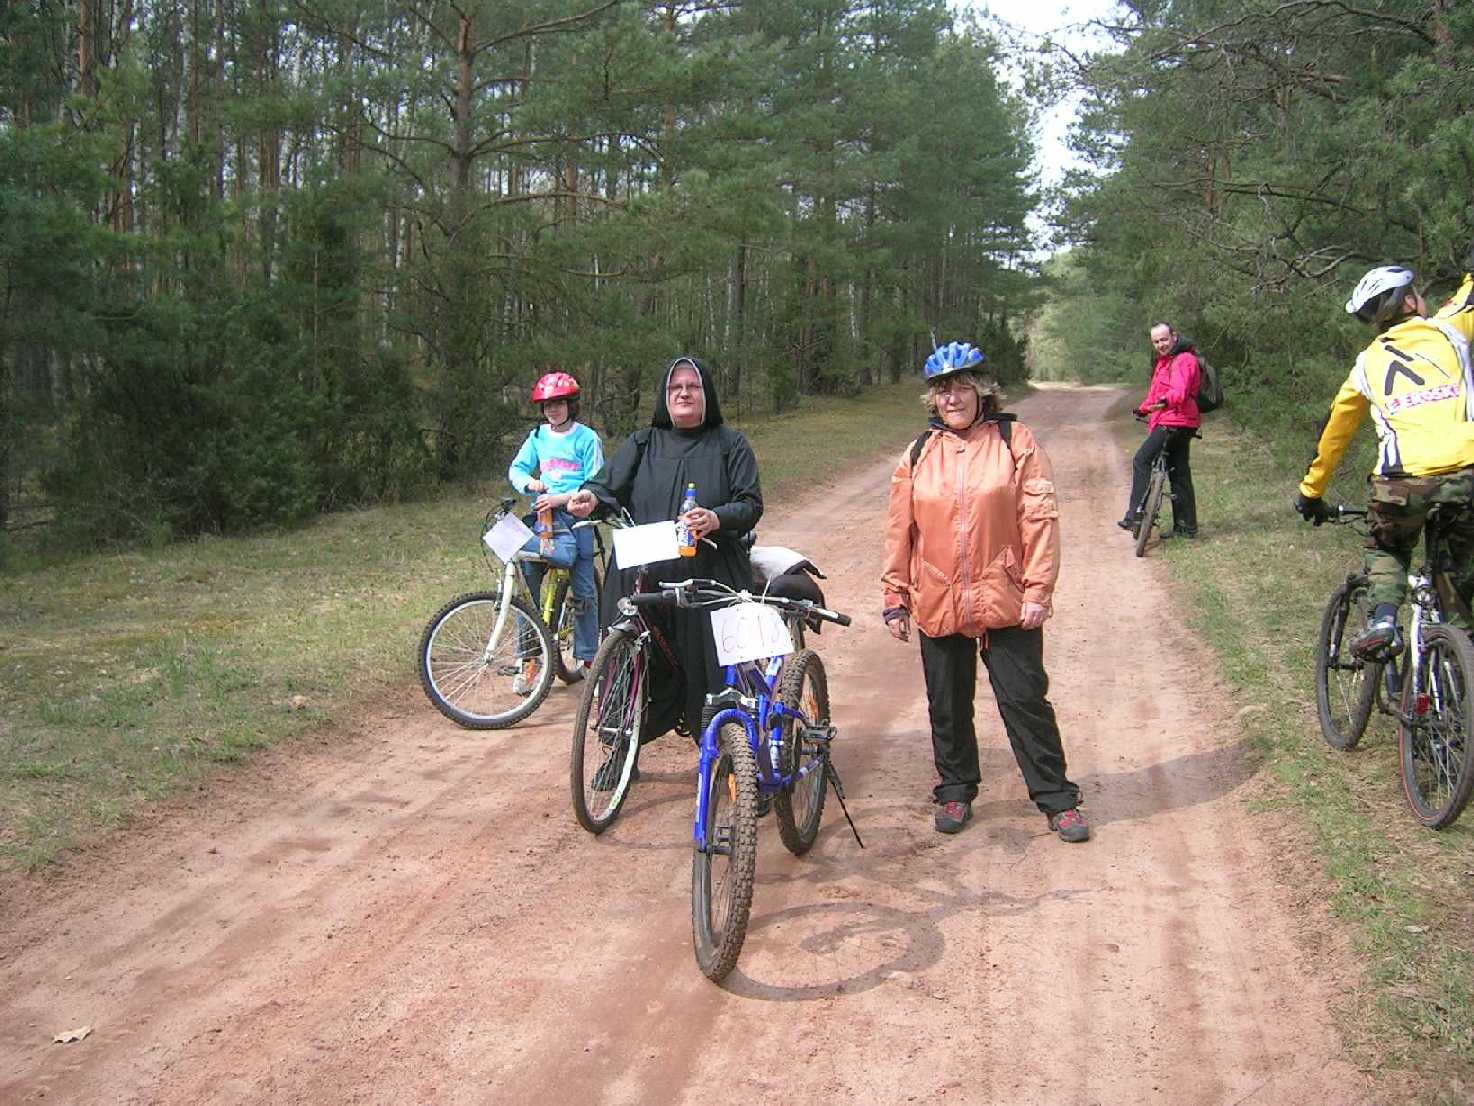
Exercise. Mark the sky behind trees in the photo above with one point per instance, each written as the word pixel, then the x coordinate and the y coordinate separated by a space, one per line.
pixel 1066 19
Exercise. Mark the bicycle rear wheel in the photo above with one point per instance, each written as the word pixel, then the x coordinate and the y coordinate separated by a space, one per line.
pixel 1435 727
pixel 477 683
pixel 1345 686
pixel 562 629
pixel 606 731
pixel 798 810
pixel 1151 507
pixel 721 877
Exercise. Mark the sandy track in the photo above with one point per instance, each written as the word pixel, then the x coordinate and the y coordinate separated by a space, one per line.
pixel 408 913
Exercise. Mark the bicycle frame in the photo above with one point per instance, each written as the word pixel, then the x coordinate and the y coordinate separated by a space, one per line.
pixel 513 578
pixel 506 589
pixel 1159 468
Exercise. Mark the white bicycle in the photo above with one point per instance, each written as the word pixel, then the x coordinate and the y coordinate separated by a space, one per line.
pixel 487 659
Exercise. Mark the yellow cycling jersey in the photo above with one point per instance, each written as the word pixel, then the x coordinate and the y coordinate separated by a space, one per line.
pixel 1417 382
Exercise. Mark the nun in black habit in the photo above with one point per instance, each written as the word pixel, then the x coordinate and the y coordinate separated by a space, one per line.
pixel 686 442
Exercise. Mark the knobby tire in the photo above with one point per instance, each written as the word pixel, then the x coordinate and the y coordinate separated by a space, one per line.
pixel 798 811
pixel 1151 508
pixel 1345 687
pixel 721 878
pixel 1436 727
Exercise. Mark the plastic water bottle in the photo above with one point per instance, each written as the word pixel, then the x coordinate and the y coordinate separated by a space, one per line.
pixel 545 531
pixel 685 540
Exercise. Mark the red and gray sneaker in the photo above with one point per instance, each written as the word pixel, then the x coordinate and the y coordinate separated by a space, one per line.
pixel 1070 825
pixel 1380 641
pixel 952 816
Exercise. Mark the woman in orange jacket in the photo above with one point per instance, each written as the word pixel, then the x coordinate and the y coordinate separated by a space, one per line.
pixel 971 556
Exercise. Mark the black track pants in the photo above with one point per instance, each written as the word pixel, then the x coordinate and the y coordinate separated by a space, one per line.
pixel 1015 661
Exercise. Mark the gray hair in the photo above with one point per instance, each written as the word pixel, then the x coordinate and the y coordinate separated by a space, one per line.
pixel 987 389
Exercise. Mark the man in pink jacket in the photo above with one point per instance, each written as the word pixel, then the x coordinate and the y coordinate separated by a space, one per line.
pixel 1171 410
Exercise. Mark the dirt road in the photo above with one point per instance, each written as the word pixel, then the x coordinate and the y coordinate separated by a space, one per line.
pixel 408 913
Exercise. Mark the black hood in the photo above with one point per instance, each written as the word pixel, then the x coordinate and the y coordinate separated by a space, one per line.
pixel 661 418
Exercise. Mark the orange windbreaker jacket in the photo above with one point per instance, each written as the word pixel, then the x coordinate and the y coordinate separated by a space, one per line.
pixel 973 532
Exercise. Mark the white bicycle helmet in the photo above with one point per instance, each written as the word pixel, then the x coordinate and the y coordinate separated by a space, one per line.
pixel 1379 292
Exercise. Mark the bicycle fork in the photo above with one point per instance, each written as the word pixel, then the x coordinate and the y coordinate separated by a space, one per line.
pixel 503 609
pixel 711 753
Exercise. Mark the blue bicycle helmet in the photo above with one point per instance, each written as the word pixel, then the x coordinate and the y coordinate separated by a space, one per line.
pixel 952 358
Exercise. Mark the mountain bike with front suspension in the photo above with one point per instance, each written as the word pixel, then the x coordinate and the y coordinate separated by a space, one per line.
pixel 766 743
pixel 1427 689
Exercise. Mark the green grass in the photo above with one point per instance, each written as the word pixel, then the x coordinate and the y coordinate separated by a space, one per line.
pixel 1256 585
pixel 126 676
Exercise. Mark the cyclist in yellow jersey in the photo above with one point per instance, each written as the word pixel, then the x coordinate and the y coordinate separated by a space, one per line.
pixel 1416 381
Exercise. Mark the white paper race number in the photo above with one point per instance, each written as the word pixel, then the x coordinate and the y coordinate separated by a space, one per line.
pixel 749 632
pixel 647 544
pixel 506 537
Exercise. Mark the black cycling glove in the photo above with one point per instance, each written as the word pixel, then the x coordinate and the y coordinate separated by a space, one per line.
pixel 1313 510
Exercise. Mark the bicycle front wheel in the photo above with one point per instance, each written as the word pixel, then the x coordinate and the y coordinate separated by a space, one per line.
pixel 804 688
pixel 1435 726
pixel 1151 507
pixel 1345 686
pixel 721 877
pixel 606 731
pixel 480 681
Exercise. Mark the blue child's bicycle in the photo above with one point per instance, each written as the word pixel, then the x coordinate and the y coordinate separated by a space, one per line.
pixel 765 744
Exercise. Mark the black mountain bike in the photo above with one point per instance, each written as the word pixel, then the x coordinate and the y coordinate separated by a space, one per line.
pixel 1149 510
pixel 1428 689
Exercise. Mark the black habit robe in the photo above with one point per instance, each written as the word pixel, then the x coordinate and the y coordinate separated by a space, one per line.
pixel 648 475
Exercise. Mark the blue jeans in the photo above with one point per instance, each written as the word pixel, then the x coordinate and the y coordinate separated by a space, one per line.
pixel 572 549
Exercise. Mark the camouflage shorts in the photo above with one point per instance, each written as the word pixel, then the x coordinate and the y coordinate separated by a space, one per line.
pixel 1398 508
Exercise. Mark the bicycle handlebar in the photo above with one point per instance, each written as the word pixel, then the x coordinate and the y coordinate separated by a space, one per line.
pixel 707 594
pixel 653 598
pixel 1337 514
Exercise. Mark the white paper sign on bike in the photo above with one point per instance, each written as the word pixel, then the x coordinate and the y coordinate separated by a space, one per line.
pixel 749 632
pixel 642 545
pixel 507 536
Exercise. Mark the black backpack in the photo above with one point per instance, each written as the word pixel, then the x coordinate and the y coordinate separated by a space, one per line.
pixel 1210 387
